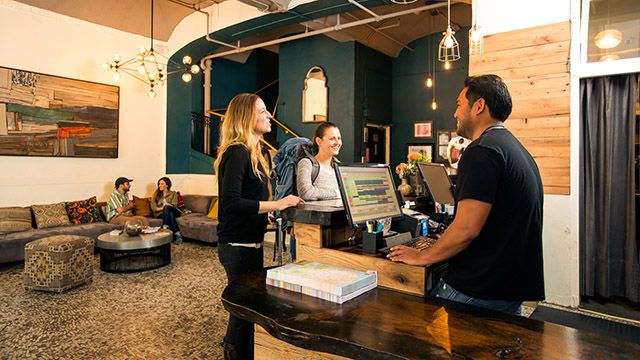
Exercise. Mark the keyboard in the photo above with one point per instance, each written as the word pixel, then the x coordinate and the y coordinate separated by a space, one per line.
pixel 420 243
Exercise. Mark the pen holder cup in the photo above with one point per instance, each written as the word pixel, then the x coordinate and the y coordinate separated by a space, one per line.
pixel 371 242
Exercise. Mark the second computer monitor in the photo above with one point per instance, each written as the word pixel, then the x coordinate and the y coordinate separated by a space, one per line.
pixel 438 182
pixel 368 192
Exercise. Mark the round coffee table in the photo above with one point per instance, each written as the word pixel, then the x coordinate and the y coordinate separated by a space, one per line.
pixel 124 253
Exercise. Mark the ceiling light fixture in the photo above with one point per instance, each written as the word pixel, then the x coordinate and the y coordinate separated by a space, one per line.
pixel 476 38
pixel 608 39
pixel 151 67
pixel 448 50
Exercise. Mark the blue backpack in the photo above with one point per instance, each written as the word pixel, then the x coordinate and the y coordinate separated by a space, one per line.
pixel 283 174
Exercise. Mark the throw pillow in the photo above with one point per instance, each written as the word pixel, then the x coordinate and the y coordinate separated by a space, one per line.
pixel 214 210
pixel 50 215
pixel 83 211
pixel 14 219
pixel 143 207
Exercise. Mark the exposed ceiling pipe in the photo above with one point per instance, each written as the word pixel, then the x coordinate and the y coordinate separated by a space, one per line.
pixel 337 27
pixel 197 8
pixel 365 9
pixel 379 31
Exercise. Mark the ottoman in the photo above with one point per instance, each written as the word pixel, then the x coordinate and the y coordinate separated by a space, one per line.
pixel 58 263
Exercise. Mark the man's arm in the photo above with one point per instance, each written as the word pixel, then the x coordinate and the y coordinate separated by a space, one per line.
pixel 471 216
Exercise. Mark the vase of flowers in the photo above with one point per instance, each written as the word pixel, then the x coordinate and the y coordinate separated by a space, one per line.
pixel 408 169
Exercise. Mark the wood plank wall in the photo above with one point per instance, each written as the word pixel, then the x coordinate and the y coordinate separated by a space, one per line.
pixel 533 62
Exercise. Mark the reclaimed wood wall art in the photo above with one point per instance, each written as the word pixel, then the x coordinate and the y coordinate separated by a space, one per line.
pixel 45 115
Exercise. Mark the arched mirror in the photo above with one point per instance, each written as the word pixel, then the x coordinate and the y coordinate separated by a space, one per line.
pixel 315 96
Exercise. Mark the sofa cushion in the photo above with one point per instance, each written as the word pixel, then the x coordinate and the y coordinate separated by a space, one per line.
pixel 198 227
pixel 143 207
pixel 83 211
pixel 213 213
pixel 198 203
pixel 50 215
pixel 14 219
pixel 12 245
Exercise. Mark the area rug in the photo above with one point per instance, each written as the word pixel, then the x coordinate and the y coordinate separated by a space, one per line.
pixel 173 312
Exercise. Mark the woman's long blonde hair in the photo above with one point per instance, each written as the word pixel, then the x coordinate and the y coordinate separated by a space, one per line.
pixel 237 128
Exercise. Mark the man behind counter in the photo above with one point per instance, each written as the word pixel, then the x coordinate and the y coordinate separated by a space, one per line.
pixel 494 244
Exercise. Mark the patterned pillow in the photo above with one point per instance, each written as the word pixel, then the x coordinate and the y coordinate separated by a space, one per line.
pixel 13 219
pixel 143 207
pixel 50 215
pixel 83 211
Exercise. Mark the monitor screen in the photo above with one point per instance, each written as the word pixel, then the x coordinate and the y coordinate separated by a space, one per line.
pixel 438 182
pixel 368 192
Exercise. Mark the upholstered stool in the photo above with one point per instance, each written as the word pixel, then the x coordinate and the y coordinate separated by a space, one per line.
pixel 58 263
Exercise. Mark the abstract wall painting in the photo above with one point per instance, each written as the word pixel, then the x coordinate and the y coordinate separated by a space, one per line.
pixel 45 115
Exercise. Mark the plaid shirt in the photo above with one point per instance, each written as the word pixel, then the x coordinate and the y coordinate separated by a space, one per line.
pixel 115 201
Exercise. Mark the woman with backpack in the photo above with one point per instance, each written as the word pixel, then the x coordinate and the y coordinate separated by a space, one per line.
pixel 243 193
pixel 320 185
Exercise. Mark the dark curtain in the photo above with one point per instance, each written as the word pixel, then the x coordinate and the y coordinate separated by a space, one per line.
pixel 609 251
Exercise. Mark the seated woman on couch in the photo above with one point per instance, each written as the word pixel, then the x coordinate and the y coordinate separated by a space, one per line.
pixel 164 203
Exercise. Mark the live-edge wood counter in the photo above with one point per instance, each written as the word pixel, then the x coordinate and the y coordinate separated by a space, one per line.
pixel 318 230
pixel 385 324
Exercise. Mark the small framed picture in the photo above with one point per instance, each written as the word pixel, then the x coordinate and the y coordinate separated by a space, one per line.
pixel 442 153
pixel 444 136
pixel 423 129
pixel 424 149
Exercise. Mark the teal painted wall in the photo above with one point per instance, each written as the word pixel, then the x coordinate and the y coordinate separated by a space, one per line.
pixel 412 99
pixel 338 62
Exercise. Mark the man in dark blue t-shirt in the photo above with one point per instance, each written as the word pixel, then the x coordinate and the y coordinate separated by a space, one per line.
pixel 494 244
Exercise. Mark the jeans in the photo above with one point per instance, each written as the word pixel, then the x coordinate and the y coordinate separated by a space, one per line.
pixel 237 261
pixel 445 291
pixel 169 216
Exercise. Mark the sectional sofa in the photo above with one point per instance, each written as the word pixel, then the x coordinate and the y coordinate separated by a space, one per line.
pixel 193 226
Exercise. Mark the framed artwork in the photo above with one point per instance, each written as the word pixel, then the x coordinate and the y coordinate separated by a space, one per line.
pixel 444 136
pixel 423 129
pixel 424 149
pixel 46 115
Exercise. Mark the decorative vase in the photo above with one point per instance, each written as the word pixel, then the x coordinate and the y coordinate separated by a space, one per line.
pixel 404 188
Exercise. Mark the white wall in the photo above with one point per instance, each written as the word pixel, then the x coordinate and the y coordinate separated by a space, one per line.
pixel 561 215
pixel 45 42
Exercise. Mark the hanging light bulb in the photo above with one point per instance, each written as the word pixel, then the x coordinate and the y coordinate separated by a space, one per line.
pixel 116 57
pixel 116 75
pixel 429 82
pixel 106 66
pixel 447 65
pixel 142 69
pixel 475 34
pixel 152 93
pixel 448 50
pixel 186 77
pixel 434 105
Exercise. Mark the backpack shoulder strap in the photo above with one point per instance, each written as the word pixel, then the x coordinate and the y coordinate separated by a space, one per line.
pixel 315 165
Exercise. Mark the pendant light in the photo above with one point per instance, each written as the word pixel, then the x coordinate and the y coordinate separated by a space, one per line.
pixel 429 82
pixel 476 39
pixel 448 50
pixel 434 105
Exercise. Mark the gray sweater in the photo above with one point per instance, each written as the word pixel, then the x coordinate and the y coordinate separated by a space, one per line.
pixel 324 188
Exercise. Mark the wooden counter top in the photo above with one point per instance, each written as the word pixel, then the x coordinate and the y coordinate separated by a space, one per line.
pixel 385 324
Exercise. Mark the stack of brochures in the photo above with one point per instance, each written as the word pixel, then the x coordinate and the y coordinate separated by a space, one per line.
pixel 329 282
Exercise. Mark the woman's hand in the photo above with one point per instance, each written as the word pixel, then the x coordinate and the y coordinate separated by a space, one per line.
pixel 289 201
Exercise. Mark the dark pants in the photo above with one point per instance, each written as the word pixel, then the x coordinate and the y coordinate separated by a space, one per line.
pixel 445 291
pixel 169 216
pixel 238 261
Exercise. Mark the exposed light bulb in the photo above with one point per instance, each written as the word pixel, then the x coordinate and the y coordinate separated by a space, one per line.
pixel 434 105
pixel 186 77
pixel 152 93
pixel 116 57
pixel 142 69
pixel 140 56
pixel 475 35
pixel 116 75
pixel 152 58
pixel 186 60
pixel 447 65
pixel 448 40
pixel 194 69
pixel 608 39
pixel 152 76
pixel 106 66
pixel 429 82
pixel 159 66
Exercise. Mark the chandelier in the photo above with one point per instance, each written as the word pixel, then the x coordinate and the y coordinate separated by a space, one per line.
pixel 151 67
pixel 448 50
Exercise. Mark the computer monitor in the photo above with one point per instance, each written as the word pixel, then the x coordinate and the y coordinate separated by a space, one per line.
pixel 438 182
pixel 367 191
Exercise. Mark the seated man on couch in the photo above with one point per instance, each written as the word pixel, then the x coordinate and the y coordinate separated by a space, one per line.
pixel 119 208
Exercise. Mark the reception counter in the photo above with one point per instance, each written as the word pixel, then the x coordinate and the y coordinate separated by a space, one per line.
pixel 322 232
pixel 386 324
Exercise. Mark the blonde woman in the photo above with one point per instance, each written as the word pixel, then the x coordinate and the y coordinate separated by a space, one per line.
pixel 243 194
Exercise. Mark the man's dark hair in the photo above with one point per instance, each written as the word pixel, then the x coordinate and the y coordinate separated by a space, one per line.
pixel 494 92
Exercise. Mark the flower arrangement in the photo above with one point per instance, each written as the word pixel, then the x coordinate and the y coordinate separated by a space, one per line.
pixel 404 170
